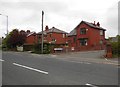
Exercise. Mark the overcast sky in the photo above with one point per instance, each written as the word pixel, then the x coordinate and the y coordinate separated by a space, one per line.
pixel 62 14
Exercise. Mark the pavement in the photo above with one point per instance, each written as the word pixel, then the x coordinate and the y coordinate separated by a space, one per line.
pixel 22 68
pixel 88 56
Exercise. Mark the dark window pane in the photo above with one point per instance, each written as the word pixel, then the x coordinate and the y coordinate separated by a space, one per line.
pixel 83 31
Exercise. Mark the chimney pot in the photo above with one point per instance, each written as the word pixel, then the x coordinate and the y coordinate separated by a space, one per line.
pixel 98 24
pixel 53 27
pixel 94 22
pixel 28 31
pixel 46 28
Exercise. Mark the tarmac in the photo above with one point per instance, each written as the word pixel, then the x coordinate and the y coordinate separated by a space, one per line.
pixel 87 56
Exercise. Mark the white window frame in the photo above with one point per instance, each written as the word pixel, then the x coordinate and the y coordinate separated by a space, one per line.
pixel 63 35
pixel 101 32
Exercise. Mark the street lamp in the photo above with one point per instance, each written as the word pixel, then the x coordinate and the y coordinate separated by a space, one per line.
pixel 6 21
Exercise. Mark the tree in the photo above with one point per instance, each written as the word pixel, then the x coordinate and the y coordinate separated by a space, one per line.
pixel 14 38
pixel 116 46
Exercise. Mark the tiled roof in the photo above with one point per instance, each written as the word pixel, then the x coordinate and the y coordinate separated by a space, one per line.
pixel 93 26
pixel 73 32
pixel 53 29
pixel 30 34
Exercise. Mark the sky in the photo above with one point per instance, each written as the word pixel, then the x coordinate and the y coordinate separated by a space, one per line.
pixel 62 14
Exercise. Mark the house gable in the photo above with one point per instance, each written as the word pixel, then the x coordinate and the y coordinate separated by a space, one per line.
pixel 92 25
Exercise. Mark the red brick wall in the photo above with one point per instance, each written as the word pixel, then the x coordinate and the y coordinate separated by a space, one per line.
pixel 93 36
pixel 31 40
pixel 47 38
pixel 58 36
pixel 71 41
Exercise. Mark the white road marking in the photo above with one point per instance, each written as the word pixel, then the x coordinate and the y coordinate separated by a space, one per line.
pixel 1 60
pixel 40 71
pixel 106 59
pixel 90 85
pixel 87 63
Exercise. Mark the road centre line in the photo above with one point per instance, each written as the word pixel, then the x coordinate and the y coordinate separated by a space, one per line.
pixel 33 69
pixel 1 60
pixel 90 85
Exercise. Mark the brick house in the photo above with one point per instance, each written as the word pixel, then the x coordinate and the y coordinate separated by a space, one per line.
pixel 31 39
pixel 86 36
pixel 55 37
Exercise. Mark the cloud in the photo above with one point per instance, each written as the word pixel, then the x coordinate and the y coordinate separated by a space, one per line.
pixel 36 6
pixel 63 14
pixel 112 20
pixel 119 17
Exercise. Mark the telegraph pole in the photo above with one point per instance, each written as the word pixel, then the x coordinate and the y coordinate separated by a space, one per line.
pixel 7 25
pixel 42 34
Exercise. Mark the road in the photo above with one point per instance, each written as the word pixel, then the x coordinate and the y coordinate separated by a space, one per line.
pixel 22 68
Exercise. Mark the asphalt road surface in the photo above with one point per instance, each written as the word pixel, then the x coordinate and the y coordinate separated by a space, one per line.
pixel 21 68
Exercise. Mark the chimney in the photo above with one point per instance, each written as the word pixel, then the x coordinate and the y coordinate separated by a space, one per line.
pixel 94 22
pixel 28 31
pixel 98 24
pixel 53 27
pixel 46 28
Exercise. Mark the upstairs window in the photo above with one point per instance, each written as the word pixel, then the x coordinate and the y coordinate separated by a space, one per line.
pixel 101 32
pixel 53 39
pixel 63 35
pixel 83 31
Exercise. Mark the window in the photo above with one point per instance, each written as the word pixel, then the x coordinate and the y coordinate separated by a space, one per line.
pixel 83 31
pixel 101 42
pixel 101 32
pixel 63 35
pixel 53 39
pixel 83 42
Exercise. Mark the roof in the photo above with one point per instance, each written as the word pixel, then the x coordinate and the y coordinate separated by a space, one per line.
pixel 73 32
pixel 113 39
pixel 31 33
pixel 53 29
pixel 93 26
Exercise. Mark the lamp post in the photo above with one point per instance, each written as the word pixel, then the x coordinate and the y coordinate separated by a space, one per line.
pixel 6 21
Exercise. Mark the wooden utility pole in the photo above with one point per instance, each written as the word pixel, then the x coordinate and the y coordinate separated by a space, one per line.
pixel 42 34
